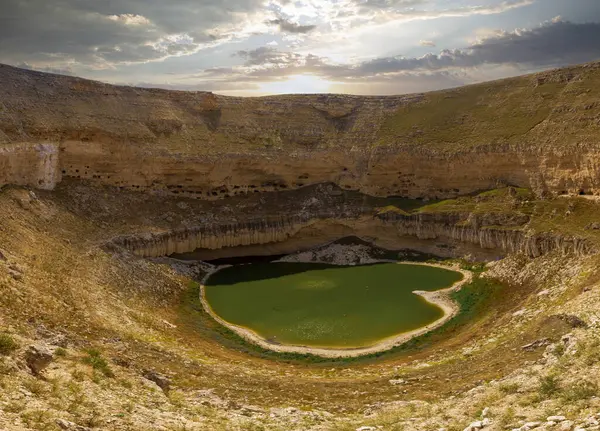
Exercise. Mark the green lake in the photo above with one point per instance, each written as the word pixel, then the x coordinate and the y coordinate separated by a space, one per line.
pixel 322 305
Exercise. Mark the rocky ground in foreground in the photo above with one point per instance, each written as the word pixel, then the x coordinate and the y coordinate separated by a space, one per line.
pixel 97 339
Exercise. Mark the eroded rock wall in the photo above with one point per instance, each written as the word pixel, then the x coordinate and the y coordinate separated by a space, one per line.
pixel 35 165
pixel 396 230
pixel 203 145
pixel 378 172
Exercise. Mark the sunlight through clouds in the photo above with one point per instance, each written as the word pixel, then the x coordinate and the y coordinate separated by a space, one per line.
pixel 298 46
pixel 297 84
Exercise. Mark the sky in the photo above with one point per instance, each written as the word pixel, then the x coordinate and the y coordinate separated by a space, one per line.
pixel 259 47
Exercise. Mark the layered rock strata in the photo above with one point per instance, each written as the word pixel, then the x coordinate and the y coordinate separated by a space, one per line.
pixel 538 132
pixel 396 229
pixel 34 165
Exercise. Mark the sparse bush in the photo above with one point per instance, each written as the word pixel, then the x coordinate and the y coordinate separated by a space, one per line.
pixel 177 398
pixel 559 349
pixel 549 386
pixel 477 267
pixel 126 384
pixel 509 388
pixel 34 386
pixel 4 367
pixel 7 344
pixel 16 406
pixel 78 375
pixel 38 419
pixel 507 417
pixel 580 391
pixel 60 352
pixel 97 362
pixel 93 419
pixel 590 352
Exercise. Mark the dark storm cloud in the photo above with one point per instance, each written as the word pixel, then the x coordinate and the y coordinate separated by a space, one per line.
pixel 291 27
pixel 128 30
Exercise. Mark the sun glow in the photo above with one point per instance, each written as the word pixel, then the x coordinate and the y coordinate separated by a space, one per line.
pixel 296 84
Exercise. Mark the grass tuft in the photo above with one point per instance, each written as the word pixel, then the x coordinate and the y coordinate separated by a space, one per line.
pixel 97 362
pixel 7 344
pixel 580 391
pixel 549 386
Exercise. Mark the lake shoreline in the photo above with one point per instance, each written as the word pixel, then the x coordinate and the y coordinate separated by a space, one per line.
pixel 440 298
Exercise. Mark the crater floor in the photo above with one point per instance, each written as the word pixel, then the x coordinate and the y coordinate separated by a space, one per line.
pixel 320 305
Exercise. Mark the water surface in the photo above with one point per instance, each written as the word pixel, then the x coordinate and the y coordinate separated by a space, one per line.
pixel 321 305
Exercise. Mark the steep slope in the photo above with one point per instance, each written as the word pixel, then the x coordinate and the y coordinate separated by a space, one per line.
pixel 128 344
pixel 537 131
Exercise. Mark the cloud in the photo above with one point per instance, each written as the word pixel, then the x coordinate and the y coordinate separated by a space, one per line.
pixel 101 34
pixel 130 19
pixel 387 4
pixel 370 12
pixel 291 27
pixel 105 35
pixel 554 43
pixel 426 43
pixel 55 70
pixel 269 56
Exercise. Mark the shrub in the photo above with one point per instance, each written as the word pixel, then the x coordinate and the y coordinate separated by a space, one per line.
pixel 35 386
pixel 580 391
pixel 97 362
pixel 509 388
pixel 549 386
pixel 7 344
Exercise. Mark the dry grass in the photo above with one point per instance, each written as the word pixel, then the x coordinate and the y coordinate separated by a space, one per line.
pixel 112 310
pixel 511 111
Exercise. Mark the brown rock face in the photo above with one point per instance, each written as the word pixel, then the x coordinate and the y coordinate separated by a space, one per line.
pixel 38 357
pixel 287 234
pixel 539 132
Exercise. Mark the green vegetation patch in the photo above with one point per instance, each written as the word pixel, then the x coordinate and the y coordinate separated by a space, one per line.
pixel 324 305
pixel 97 362
pixel 474 299
pixel 7 344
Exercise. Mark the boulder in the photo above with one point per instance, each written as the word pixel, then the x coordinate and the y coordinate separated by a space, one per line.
pixel 536 344
pixel 70 426
pixel 566 426
pixel 556 418
pixel 161 380
pixel 38 357
pixel 571 320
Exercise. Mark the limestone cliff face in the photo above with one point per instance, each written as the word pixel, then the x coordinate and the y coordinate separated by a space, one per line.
pixel 394 228
pixel 33 165
pixel 203 145
pixel 510 239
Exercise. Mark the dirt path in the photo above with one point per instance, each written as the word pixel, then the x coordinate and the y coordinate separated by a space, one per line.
pixel 440 298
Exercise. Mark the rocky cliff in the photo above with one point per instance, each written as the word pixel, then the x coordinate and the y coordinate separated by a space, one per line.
pixel 291 233
pixel 539 131
pixel 30 164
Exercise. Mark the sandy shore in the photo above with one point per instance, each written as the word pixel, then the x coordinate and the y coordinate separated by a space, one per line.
pixel 440 298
